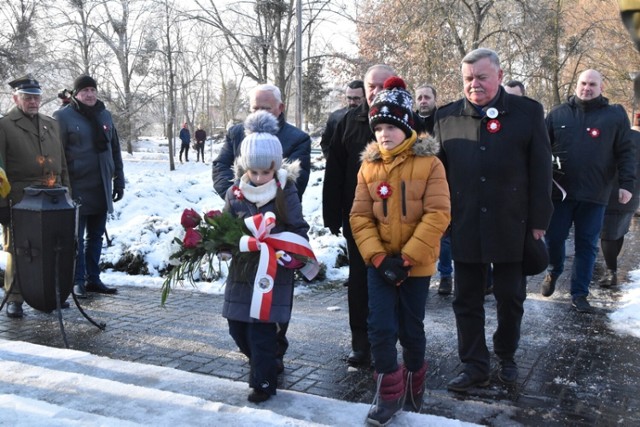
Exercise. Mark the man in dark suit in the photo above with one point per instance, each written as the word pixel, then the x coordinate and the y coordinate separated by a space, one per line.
pixel 498 158
pixel 355 97
pixel 340 179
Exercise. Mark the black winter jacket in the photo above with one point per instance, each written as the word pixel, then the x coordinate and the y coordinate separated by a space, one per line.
pixel 239 286
pixel 614 205
pixel 341 173
pixel 590 140
pixel 500 182
pixel 330 128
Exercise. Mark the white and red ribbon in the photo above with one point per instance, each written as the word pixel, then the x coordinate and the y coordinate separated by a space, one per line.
pixel 260 227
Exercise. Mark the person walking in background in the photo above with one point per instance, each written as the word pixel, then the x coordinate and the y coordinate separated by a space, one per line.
pixel 590 138
pixel 515 87
pixel 263 185
pixel 400 211
pixel 92 149
pixel 355 96
pixel 32 154
pixel 296 144
pixel 496 151
pixel 185 138
pixel 617 218
pixel 352 135
pixel 201 137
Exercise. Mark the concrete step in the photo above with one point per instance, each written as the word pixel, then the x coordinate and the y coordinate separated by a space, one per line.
pixel 57 387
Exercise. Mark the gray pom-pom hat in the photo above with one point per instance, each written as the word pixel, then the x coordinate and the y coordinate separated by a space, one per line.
pixel 260 148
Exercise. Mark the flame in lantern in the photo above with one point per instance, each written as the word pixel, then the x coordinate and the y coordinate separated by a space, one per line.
pixel 50 179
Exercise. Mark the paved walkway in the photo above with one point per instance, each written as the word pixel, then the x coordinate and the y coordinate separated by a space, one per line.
pixel 573 369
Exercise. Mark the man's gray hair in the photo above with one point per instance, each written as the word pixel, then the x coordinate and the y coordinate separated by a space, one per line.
pixel 267 88
pixel 380 67
pixel 481 53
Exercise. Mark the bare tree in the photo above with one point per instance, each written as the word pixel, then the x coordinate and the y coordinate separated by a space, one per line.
pixel 126 31
pixel 20 41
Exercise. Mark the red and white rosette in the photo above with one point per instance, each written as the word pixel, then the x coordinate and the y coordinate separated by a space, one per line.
pixel 260 227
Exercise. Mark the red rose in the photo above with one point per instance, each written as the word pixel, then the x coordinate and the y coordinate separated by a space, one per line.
pixel 190 218
pixel 209 216
pixel 192 238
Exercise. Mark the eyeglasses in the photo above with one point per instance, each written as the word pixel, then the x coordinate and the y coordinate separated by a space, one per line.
pixel 29 98
pixel 354 98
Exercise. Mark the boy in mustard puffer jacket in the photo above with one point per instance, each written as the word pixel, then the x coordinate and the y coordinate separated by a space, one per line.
pixel 400 211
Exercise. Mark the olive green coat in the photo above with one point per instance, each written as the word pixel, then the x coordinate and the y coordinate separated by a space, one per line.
pixel 31 155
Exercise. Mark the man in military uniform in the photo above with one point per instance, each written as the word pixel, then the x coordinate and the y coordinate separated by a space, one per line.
pixel 32 154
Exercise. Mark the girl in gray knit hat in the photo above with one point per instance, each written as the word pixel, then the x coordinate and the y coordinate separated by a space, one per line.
pixel 264 183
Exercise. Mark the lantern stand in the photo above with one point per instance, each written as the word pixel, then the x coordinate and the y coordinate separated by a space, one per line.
pixel 30 253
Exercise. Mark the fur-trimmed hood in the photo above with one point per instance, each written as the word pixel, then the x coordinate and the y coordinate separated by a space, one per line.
pixel 423 147
pixel 289 171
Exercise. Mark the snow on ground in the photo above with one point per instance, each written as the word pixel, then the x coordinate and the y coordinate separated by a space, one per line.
pixel 147 219
pixel 50 387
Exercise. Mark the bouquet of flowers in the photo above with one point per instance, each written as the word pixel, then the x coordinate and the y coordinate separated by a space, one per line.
pixel 204 238
pixel 250 242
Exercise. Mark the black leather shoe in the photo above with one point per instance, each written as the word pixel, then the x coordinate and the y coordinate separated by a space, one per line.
pixel 257 396
pixel 464 381
pixel 359 358
pixel 100 288
pixel 446 286
pixel 508 371
pixel 14 309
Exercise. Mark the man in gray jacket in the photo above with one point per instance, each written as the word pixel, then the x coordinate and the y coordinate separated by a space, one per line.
pixel 92 150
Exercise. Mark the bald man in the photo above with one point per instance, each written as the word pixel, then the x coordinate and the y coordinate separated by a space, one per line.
pixel 591 139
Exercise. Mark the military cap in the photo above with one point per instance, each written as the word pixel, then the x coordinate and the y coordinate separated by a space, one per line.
pixel 26 84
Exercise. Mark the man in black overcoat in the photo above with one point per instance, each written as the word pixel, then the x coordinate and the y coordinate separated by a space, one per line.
pixel 498 158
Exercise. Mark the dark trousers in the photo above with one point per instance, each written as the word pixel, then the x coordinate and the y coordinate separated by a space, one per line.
pixel 509 289
pixel 184 148
pixel 397 313
pixel 257 341
pixel 445 266
pixel 587 220
pixel 357 293
pixel 200 151
pixel 91 228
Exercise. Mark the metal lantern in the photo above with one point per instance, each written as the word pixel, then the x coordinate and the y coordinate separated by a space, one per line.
pixel 44 237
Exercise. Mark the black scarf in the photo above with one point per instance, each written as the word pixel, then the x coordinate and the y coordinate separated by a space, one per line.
pixel 92 113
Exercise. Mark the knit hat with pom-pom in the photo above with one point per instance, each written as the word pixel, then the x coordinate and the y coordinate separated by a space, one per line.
pixel 393 105
pixel 260 148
